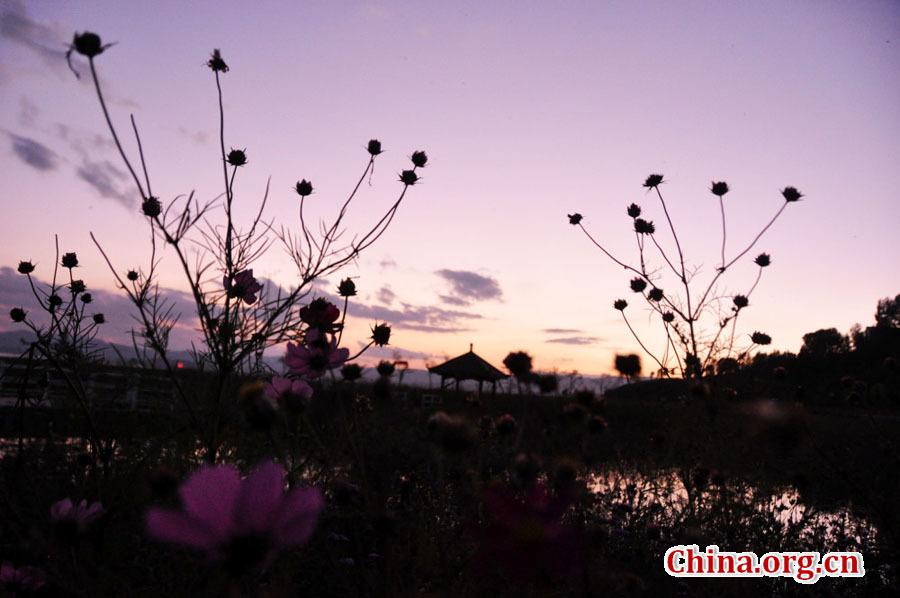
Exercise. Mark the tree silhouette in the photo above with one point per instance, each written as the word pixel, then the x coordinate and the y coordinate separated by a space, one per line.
pixel 547 383
pixel 519 365
pixel 824 342
pixel 628 366
pixel 887 314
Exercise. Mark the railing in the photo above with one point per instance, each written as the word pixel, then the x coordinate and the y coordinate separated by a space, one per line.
pixel 104 387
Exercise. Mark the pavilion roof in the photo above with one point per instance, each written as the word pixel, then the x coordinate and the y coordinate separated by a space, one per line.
pixel 468 366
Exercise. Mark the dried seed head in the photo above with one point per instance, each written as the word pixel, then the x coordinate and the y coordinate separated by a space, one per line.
pixel 216 63
pixel 304 188
pixel 791 194
pixel 419 159
pixel 719 188
pixel 653 181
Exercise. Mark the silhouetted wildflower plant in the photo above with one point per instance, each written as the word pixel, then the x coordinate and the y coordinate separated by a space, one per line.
pixel 239 315
pixel 690 350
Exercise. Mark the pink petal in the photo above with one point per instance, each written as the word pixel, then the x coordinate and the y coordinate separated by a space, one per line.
pixel 302 389
pixel 296 518
pixel 209 496
pixel 93 512
pixel 167 525
pixel 61 509
pixel 339 356
pixel 259 498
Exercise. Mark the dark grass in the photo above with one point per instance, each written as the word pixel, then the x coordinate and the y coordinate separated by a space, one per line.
pixel 402 511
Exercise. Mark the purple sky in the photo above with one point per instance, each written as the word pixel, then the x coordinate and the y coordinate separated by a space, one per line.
pixel 527 111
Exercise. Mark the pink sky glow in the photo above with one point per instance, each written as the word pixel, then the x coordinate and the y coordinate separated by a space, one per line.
pixel 528 111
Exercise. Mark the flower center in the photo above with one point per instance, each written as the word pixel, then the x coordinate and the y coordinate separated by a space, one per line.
pixel 245 552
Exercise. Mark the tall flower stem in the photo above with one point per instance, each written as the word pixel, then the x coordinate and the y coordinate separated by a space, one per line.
pixel 646 350
pixel 722 209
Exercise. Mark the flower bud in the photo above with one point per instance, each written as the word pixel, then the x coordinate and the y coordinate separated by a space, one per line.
pixel 419 159
pixel 653 181
pixel 763 260
pixel 77 286
pixel 259 411
pixel 452 432
pixel 634 210
pixel 303 188
pixel 87 44
pixel 668 317
pixel 216 63
pixel 381 334
pixel 409 177
pixel 374 147
pixel 638 285
pixel 351 372
pixel 99 319
pixel 54 301
pixel 347 288
pixel 132 275
pixel 761 338
pixel 643 227
pixel 237 157
pixel 25 268
pixel 17 314
pixel 385 369
pixel 620 304
pixel 151 207
pixel 69 260
pixel 655 294
pixel 791 194
pixel 86 298
pixel 740 301
pixel 719 188
pixel 574 219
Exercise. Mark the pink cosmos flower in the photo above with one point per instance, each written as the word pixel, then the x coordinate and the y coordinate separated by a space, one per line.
pixel 242 286
pixel 315 356
pixel 70 520
pixel 526 535
pixel 243 523
pixel 23 579
pixel 320 313
pixel 288 392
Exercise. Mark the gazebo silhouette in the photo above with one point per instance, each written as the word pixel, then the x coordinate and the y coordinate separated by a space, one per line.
pixel 468 366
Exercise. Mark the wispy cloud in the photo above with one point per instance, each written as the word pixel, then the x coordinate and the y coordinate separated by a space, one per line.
pixel 575 340
pixel 424 318
pixel 34 153
pixel 17 27
pixel 386 295
pixel 194 136
pixel 561 331
pixel 453 300
pixel 467 286
pixel 106 179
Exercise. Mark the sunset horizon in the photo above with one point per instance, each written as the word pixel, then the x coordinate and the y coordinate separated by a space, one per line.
pixel 525 280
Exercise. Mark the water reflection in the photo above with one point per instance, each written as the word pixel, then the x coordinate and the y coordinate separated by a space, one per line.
pixel 672 498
